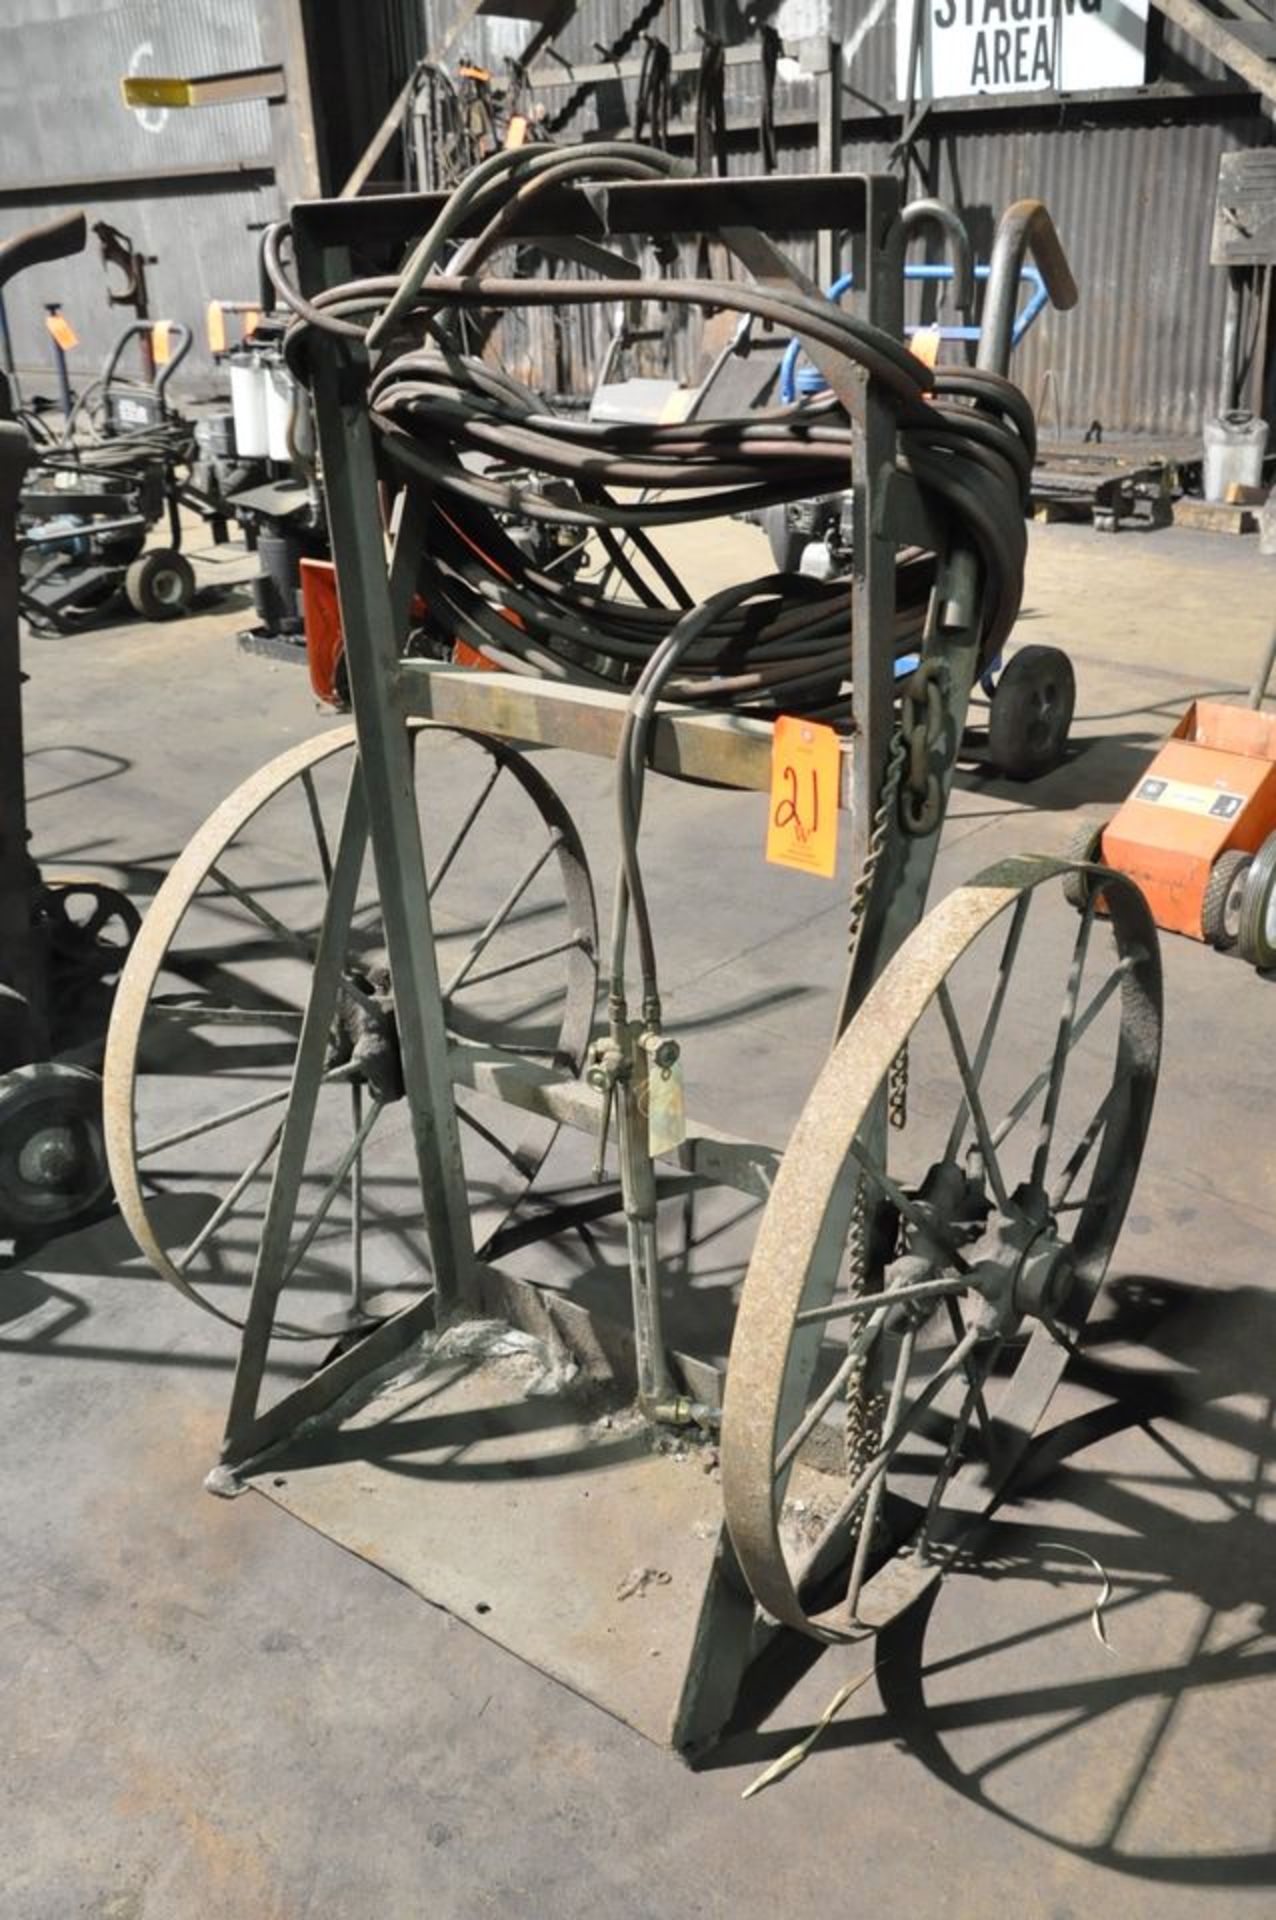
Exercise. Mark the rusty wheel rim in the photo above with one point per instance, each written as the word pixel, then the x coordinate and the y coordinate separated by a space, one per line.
pixel 219 954
pixel 991 1278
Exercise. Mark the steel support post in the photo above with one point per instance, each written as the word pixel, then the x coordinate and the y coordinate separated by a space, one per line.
pixel 25 1033
pixel 828 153
pixel 373 644
pixel 879 270
pixel 273 1249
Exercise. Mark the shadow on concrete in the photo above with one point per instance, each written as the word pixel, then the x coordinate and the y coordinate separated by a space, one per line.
pixel 1217 1345
pixel 109 766
pixel 1100 770
pixel 45 1316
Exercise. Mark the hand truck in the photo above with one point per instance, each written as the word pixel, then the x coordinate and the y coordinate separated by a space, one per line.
pixel 333 1080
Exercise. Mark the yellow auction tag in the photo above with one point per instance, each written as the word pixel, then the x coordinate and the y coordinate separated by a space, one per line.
pixel 160 349
pixel 62 330
pixel 925 345
pixel 806 766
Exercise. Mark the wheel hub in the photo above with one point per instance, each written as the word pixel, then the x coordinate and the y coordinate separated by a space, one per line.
pixel 365 1034
pixel 1016 1262
pixel 52 1164
pixel 51 1159
pixel 1044 1280
pixel 1025 1271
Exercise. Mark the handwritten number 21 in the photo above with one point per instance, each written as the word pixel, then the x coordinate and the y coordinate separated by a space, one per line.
pixel 788 811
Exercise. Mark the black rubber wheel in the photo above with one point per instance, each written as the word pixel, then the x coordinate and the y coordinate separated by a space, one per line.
pixel 160 585
pixel 53 1172
pixel 1257 932
pixel 1031 712
pixel 784 539
pixel 1085 843
pixel 1221 905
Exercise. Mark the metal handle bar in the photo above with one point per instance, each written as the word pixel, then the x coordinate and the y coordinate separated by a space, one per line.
pixel 806 380
pixel 936 213
pixel 163 374
pixel 55 240
pixel 1024 228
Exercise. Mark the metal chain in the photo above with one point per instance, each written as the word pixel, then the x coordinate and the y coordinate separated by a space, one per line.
pixel 862 1432
pixel 866 1400
pixel 865 1409
pixel 922 730
pixel 857 1239
pixel 882 821
pixel 897 1090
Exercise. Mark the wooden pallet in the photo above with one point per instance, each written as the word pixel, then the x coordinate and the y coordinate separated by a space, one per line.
pixel 1216 516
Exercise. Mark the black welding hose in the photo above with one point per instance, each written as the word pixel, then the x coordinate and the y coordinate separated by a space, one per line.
pixel 631 766
pixel 491 172
pixel 479 448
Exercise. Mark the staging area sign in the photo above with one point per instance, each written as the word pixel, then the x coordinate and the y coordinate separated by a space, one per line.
pixel 1020 46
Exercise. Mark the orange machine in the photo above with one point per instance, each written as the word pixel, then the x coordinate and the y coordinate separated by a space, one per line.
pixel 1198 833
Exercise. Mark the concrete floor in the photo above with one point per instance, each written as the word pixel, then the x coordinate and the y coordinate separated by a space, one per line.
pixel 211 1711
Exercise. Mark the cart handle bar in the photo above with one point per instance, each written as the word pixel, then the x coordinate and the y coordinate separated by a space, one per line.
pixel 55 240
pixel 1024 228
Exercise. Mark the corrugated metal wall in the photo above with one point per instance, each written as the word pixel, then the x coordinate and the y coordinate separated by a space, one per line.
pixel 192 187
pixel 64 128
pixel 1131 185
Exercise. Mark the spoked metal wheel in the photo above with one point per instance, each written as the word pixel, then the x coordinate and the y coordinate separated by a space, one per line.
pixel 89 929
pixel 208 1017
pixel 900 1332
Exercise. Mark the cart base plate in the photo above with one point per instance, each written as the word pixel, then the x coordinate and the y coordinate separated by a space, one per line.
pixel 532 1507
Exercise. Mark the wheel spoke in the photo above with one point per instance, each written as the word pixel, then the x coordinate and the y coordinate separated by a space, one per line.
pixel 956 1441
pixel 991 1018
pixel 225 1016
pixel 1079 1206
pixel 904 1424
pixel 303 944
pixel 501 915
pixel 494 1140
pixel 1081 1152
pixel 987 1150
pixel 299 942
pixel 230 1201
pixel 242 1112
pixel 225 1119
pixel 823 1401
pixel 976 1394
pixel 517 966
pixel 298 1253
pixel 1079 1030
pixel 459 838
pixel 316 821
pixel 867 1302
pixel 1062 1048
pixel 356 1200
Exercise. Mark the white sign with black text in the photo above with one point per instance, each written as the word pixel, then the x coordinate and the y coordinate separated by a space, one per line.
pixel 1020 46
